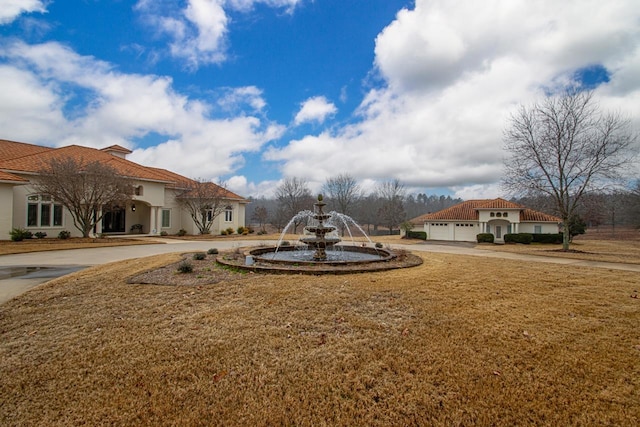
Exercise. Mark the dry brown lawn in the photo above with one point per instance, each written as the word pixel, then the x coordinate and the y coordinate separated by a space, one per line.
pixel 39 245
pixel 456 341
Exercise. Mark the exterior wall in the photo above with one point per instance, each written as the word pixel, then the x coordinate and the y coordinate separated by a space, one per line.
pixel 6 210
pixel 511 215
pixel 547 227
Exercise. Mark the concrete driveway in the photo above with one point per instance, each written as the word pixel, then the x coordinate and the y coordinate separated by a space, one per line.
pixel 20 272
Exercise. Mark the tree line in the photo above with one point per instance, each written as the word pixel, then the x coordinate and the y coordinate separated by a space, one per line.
pixel 380 211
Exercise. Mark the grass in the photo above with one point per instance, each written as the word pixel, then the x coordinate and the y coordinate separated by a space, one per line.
pixel 457 341
pixel 38 245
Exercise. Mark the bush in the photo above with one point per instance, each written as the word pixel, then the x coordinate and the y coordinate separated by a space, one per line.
pixel 164 233
pixel 199 256
pixel 181 232
pixel 64 235
pixel 185 267
pixel 40 234
pixel 285 243
pixel 422 235
pixel 19 234
pixel 524 238
pixel 241 230
pixel 230 230
pixel 485 238
pixel 552 238
pixel 379 245
pixel 213 251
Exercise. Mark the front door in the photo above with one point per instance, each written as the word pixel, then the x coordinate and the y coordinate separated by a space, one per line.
pixel 113 220
pixel 498 232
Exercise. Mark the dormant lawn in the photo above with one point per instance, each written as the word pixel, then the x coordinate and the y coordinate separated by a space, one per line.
pixel 459 340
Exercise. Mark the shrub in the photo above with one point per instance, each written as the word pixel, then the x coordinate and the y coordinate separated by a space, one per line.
pixel 181 232
pixel 19 234
pixel 417 235
pixel 164 233
pixel 552 238
pixel 285 243
pixel 230 230
pixel 485 238
pixel 64 235
pixel 185 267
pixel 249 230
pixel 213 251
pixel 524 238
pixel 379 245
pixel 241 230
pixel 40 234
pixel 199 256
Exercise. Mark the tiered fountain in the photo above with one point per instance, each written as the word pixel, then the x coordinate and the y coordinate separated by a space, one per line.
pixel 316 236
pixel 320 250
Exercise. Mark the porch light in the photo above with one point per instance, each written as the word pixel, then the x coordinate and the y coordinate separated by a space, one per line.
pixel 133 208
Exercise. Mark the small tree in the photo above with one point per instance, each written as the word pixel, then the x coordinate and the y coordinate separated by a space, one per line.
pixel 261 215
pixel 563 147
pixel 575 226
pixel 406 226
pixel 293 196
pixel 391 211
pixel 204 201
pixel 84 189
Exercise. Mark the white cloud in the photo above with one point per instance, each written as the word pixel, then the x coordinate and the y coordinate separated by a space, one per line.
pixel 454 71
pixel 315 109
pixel 120 108
pixel 198 32
pixel 11 9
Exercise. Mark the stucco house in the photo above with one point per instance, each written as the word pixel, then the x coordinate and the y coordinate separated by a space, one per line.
pixel 464 221
pixel 153 209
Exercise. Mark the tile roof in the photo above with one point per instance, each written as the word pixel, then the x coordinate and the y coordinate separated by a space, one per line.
pixel 118 148
pixel 28 158
pixel 9 177
pixel 469 211
pixel 12 150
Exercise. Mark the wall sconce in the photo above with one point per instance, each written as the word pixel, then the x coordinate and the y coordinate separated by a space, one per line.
pixel 133 208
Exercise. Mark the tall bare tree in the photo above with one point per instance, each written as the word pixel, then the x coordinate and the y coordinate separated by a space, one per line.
pixel 204 200
pixel 261 214
pixel 343 192
pixel 563 147
pixel 391 210
pixel 293 196
pixel 84 189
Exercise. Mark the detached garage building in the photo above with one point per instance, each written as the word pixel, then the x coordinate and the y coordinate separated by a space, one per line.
pixel 464 221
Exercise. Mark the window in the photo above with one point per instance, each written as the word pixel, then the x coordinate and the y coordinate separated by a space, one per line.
pixel 537 229
pixel 499 214
pixel 492 214
pixel 166 218
pixel 506 214
pixel 228 214
pixel 43 212
pixel 138 190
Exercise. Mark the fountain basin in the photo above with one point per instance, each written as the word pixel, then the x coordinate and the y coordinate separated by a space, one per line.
pixel 340 255
pixel 373 260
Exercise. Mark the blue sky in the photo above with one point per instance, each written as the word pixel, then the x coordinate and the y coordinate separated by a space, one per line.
pixel 252 91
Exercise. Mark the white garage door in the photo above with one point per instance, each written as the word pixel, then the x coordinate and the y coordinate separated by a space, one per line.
pixel 439 231
pixel 465 232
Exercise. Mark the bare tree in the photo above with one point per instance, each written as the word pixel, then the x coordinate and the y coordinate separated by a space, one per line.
pixel 261 214
pixel 204 200
pixel 343 192
pixel 84 188
pixel 293 196
pixel 391 210
pixel 563 147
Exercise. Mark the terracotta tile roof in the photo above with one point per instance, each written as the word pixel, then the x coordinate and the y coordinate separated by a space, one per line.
pixel 5 176
pixel 536 216
pixel 28 158
pixel 12 150
pixel 118 148
pixel 469 211
pixel 500 204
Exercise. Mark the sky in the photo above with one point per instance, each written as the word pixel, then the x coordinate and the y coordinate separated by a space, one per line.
pixel 251 92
